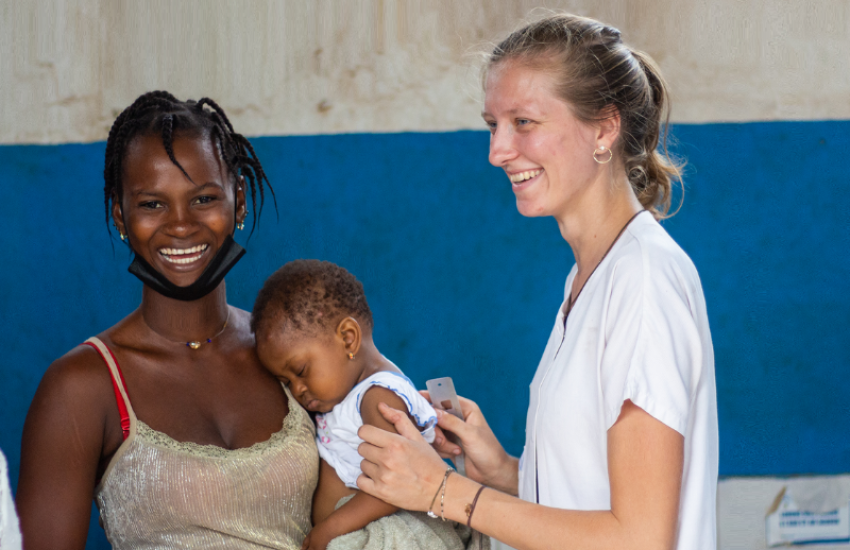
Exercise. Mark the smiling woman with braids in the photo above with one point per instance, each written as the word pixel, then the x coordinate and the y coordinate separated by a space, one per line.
pixel 167 419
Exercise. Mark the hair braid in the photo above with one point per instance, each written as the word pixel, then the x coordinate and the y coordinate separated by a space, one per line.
pixel 168 141
pixel 217 110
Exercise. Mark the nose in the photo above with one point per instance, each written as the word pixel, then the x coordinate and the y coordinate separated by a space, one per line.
pixel 298 388
pixel 502 147
pixel 180 223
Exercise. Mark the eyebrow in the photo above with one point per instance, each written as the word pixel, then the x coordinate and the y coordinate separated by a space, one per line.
pixel 195 190
pixel 148 193
pixel 209 184
pixel 509 112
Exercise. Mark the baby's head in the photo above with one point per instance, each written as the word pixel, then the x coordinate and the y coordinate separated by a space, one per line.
pixel 310 320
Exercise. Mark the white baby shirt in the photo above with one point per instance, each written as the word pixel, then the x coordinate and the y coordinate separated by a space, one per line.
pixel 336 431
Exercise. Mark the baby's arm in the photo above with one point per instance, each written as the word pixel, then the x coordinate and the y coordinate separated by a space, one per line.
pixel 362 508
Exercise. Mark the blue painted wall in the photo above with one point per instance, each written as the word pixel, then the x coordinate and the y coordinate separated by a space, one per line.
pixel 461 285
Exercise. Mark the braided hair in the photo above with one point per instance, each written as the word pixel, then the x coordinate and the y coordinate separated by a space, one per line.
pixel 161 113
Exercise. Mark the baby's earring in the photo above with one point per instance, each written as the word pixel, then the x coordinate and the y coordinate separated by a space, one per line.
pixel 350 356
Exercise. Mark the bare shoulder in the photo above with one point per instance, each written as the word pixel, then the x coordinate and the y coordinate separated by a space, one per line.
pixel 240 322
pixel 369 406
pixel 63 444
pixel 76 390
pixel 81 372
pixel 240 317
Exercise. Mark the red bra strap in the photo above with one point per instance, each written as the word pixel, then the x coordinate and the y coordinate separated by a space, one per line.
pixel 119 399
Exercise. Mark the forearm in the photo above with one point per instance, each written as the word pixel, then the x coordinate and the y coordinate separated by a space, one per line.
pixel 527 526
pixel 355 514
pixel 505 478
pixel 645 459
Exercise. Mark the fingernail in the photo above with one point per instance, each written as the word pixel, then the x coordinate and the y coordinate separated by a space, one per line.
pixel 438 440
pixel 439 413
pixel 456 452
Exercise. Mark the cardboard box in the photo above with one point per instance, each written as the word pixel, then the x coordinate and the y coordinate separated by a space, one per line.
pixel 786 524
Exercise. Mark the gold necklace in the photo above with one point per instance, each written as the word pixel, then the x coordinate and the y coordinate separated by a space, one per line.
pixel 198 343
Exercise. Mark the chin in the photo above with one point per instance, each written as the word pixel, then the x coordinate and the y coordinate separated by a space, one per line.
pixel 531 210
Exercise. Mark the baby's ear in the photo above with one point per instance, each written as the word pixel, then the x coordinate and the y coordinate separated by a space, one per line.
pixel 350 334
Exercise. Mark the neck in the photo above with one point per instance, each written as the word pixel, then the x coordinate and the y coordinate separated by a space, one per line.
pixel 371 360
pixel 181 321
pixel 593 221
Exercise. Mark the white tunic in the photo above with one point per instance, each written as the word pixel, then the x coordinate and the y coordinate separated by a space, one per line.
pixel 336 431
pixel 639 331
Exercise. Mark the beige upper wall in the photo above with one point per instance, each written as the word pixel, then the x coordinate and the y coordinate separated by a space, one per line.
pixel 67 67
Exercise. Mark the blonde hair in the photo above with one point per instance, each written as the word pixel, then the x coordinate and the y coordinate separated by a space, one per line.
pixel 595 71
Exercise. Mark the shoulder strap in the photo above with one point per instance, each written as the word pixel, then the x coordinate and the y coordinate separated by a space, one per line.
pixel 118 383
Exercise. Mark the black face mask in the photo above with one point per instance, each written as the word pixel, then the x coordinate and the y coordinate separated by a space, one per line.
pixel 226 257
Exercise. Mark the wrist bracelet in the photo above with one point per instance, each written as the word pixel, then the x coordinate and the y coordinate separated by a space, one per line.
pixel 443 495
pixel 433 500
pixel 471 507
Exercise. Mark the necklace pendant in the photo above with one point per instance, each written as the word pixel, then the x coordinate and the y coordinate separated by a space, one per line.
pixel 193 345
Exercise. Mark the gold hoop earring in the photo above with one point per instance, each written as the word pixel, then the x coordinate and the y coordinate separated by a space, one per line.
pixel 240 226
pixel 350 356
pixel 601 151
pixel 122 235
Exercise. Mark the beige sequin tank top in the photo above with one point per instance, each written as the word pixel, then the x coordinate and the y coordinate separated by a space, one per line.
pixel 161 493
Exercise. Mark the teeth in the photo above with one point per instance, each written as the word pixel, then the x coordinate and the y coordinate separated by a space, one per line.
pixel 523 176
pixel 167 253
pixel 181 260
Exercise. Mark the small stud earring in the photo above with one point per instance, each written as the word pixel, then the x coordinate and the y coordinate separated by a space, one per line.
pixel 350 356
pixel 123 236
pixel 240 226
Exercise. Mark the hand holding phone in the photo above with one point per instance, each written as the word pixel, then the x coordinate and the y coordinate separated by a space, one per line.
pixel 444 397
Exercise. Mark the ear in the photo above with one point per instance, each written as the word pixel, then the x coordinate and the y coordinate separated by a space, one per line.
pixel 241 204
pixel 608 127
pixel 118 215
pixel 350 334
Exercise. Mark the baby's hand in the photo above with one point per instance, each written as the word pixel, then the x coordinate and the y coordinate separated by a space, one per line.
pixel 318 538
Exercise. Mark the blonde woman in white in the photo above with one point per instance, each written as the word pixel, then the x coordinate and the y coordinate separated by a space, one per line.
pixel 621 438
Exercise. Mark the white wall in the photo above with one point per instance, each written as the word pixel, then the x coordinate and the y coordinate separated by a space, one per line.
pixel 328 66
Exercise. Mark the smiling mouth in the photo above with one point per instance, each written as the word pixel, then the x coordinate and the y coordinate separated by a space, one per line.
pixel 183 255
pixel 524 176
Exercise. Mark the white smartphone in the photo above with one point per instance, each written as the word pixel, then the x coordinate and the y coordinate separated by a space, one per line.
pixel 444 397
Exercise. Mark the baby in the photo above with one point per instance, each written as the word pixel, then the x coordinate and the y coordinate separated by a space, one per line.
pixel 314 333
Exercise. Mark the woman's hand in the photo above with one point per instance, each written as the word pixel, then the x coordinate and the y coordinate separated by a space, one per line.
pixel 485 459
pixel 401 469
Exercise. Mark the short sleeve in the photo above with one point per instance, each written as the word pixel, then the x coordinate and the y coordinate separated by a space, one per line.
pixel 417 406
pixel 652 352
